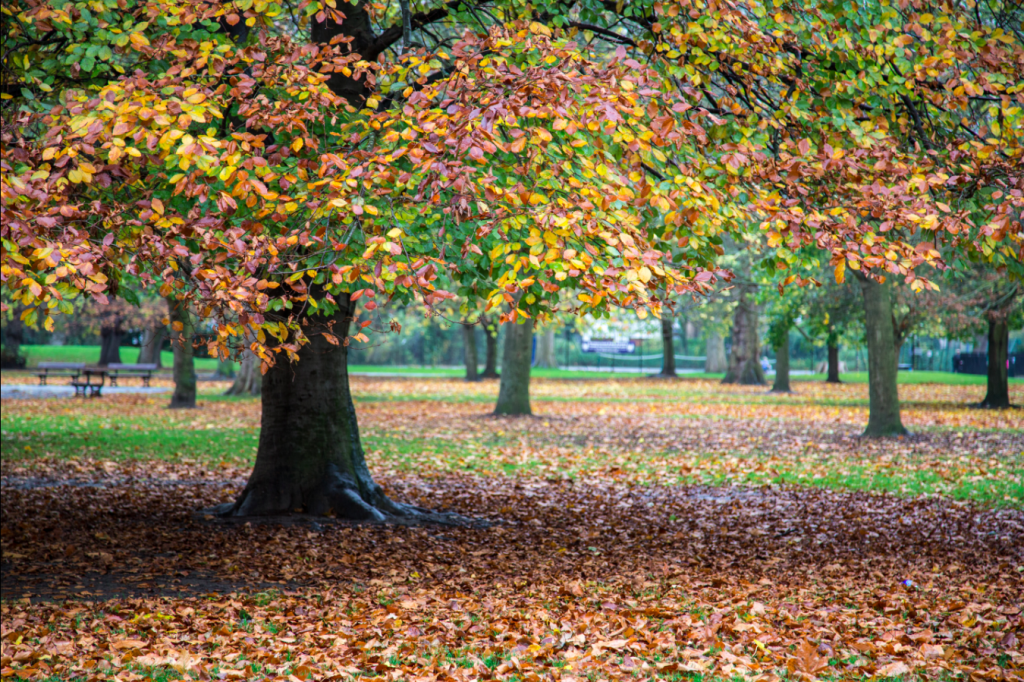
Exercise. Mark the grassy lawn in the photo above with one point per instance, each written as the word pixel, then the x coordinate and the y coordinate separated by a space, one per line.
pixel 90 354
pixel 641 431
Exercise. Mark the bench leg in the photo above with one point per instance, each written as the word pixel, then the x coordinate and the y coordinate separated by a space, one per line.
pixel 42 381
pixel 113 381
pixel 145 381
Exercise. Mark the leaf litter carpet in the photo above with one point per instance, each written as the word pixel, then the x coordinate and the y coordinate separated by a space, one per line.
pixel 109 574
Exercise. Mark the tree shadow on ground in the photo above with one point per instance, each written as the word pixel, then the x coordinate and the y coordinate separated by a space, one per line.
pixel 112 535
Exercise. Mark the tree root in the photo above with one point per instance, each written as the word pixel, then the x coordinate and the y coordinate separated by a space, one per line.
pixel 986 405
pixel 337 496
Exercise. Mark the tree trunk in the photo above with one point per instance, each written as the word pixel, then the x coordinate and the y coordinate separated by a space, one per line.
pixel 225 369
pixel 469 338
pixel 714 360
pixel 998 393
pixel 310 459
pixel 833 362
pixel 152 340
pixel 182 330
pixel 668 351
pixel 14 336
pixel 781 384
pixel 744 361
pixel 883 395
pixel 491 352
pixel 110 344
pixel 248 378
pixel 514 390
pixel 546 348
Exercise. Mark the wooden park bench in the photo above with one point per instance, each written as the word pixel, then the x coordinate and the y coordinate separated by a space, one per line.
pixel 118 371
pixel 59 369
pixel 91 382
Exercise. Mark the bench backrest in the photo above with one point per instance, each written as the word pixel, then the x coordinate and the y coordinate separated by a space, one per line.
pixel 119 365
pixel 61 365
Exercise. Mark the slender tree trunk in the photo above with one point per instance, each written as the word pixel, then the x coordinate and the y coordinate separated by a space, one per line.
pixel 744 360
pixel 998 393
pixel 514 390
pixel 781 384
pixel 182 331
pixel 491 350
pixel 833 361
pixel 469 338
pixel 883 395
pixel 668 351
pixel 110 343
pixel 248 378
pixel 152 340
pixel 310 458
pixel 14 336
pixel 225 369
pixel 546 348
pixel 714 355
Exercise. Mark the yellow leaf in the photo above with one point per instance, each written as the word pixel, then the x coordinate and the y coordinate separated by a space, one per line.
pixel 841 271
pixel 157 205
pixel 297 144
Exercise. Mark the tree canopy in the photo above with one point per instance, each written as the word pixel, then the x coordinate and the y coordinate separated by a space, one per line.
pixel 259 160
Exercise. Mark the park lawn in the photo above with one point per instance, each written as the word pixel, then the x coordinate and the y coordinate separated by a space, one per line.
pixel 644 432
pixel 90 354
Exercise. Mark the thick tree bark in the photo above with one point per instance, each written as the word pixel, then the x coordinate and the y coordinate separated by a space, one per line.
pixel 781 384
pixel 546 348
pixel 833 362
pixel 491 350
pixel 469 339
pixel 883 395
pixel 248 378
pixel 668 350
pixel 152 340
pixel 182 331
pixel 998 393
pixel 744 357
pixel 714 354
pixel 514 390
pixel 110 343
pixel 310 458
pixel 358 27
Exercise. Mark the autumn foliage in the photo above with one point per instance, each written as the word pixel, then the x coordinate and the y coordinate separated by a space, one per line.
pixel 203 149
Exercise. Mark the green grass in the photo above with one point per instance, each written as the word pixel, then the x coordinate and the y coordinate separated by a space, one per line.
pixel 91 354
pixel 919 377
pixel 150 437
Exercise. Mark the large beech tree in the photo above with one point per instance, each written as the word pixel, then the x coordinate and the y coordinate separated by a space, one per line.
pixel 274 185
pixel 275 169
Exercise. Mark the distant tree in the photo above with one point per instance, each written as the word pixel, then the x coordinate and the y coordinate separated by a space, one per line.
pixel 490 328
pixel 182 337
pixel 248 378
pixel 546 346
pixel 514 389
pixel 976 301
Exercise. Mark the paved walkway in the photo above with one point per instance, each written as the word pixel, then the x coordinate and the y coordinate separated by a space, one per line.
pixel 27 391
